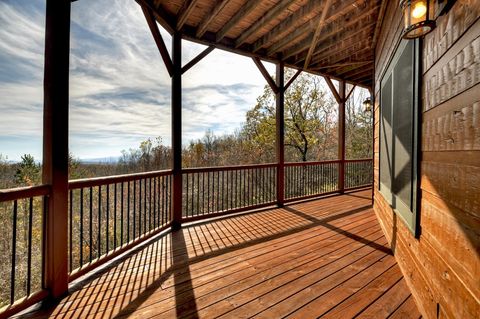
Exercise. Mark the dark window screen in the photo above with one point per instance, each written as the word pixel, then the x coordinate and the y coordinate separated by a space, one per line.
pixel 398 145
pixel 386 134
pixel 403 105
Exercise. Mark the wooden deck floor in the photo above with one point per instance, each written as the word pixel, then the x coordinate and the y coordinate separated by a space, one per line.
pixel 326 257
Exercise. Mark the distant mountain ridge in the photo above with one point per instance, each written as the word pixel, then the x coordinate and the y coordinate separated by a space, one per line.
pixel 100 160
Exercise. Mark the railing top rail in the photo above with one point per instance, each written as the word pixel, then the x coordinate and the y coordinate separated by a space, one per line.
pixel 98 181
pixel 359 160
pixel 312 163
pixel 24 192
pixel 226 168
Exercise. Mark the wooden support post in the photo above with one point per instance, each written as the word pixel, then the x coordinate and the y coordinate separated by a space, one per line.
pixel 177 129
pixel 341 135
pixel 280 130
pixel 55 145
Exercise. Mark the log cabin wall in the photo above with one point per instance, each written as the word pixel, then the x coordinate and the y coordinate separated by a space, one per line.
pixel 442 266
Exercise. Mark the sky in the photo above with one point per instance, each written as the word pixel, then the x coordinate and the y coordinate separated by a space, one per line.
pixel 119 87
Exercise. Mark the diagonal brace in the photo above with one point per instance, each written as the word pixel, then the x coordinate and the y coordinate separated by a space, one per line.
pixel 333 89
pixel 292 79
pixel 197 59
pixel 152 24
pixel 265 74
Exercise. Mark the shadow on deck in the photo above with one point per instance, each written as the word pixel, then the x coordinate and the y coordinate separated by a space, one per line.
pixel 326 257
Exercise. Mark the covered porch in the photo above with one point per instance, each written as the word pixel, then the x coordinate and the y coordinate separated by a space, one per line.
pixel 326 257
pixel 269 240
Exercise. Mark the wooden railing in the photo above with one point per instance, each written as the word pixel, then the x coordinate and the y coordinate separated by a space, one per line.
pixel 22 214
pixel 219 190
pixel 358 173
pixel 308 179
pixel 108 215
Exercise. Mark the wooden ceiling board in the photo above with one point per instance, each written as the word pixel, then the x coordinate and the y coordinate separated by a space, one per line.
pixel 276 30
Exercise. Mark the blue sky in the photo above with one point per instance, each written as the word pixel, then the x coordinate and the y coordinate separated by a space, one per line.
pixel 119 87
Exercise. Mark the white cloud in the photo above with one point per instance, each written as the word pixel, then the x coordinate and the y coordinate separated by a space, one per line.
pixel 119 87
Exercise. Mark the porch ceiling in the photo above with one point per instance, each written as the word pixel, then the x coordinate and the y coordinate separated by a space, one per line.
pixel 330 37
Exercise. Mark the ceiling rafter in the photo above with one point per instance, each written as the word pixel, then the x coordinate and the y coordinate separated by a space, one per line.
pixel 332 47
pixel 321 24
pixel 344 53
pixel 292 21
pixel 270 15
pixel 361 74
pixel 331 27
pixel 246 9
pixel 381 14
pixel 348 63
pixel 339 30
pixel 203 26
pixel 185 12
pixel 304 35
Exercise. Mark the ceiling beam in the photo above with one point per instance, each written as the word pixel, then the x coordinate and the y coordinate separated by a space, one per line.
pixel 337 29
pixel 203 26
pixel 359 73
pixel 298 17
pixel 185 11
pixel 271 14
pixel 355 51
pixel 300 31
pixel 381 14
pixel 332 47
pixel 331 27
pixel 348 63
pixel 321 24
pixel 239 16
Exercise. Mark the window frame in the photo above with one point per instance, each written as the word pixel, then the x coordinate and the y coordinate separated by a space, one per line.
pixel 409 215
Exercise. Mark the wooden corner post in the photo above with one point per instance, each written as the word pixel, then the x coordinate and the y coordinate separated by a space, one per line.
pixel 341 135
pixel 280 130
pixel 55 145
pixel 177 129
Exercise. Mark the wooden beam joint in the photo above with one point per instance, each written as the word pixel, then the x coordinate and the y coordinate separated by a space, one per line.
pixel 265 74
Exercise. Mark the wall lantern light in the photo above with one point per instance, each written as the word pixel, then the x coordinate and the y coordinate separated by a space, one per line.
pixel 367 104
pixel 419 17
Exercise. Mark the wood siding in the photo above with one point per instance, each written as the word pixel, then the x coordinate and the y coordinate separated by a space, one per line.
pixel 442 266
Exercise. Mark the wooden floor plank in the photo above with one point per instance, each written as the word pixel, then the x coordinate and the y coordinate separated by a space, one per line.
pixel 232 285
pixel 408 310
pixel 320 257
pixel 388 303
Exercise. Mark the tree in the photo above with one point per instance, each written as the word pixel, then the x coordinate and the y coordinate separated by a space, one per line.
pixel 358 127
pixel 310 120
pixel 28 172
